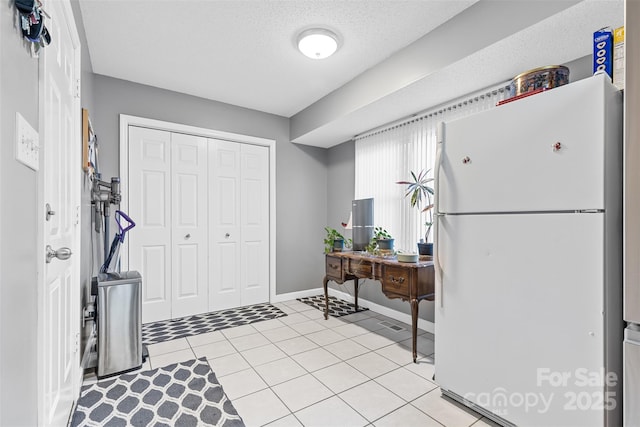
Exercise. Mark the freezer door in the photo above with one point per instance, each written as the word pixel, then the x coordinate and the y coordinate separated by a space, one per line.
pixel 547 152
pixel 522 315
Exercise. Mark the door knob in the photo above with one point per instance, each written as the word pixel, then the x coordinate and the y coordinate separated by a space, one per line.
pixel 62 254
pixel 227 235
pixel 188 236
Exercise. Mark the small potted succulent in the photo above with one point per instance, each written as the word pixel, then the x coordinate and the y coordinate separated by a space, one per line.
pixel 421 194
pixel 334 241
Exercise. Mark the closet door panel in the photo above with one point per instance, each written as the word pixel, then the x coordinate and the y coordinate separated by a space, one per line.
pixel 150 249
pixel 254 218
pixel 225 227
pixel 227 278
pixel 155 188
pixel 153 256
pixel 189 225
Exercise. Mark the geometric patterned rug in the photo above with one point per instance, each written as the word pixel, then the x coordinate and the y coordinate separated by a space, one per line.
pixel 181 394
pixel 166 330
pixel 337 307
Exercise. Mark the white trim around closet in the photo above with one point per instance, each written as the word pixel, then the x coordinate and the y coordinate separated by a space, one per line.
pixel 127 120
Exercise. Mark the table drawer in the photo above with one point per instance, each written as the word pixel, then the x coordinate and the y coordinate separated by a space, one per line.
pixel 333 267
pixel 360 269
pixel 396 280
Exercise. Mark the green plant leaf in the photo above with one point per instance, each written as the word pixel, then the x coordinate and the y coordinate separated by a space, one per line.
pixel 419 192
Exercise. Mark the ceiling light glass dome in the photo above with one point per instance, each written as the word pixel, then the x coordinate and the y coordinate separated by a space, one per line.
pixel 318 43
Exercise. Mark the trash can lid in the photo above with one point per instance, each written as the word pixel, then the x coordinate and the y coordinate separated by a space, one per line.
pixel 124 276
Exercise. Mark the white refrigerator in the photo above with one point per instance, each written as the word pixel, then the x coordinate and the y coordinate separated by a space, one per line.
pixel 528 260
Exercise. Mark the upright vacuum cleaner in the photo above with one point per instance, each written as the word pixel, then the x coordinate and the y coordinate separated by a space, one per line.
pixel 118 294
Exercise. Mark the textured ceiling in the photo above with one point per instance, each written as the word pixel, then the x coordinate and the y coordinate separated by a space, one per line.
pixel 243 52
pixel 561 38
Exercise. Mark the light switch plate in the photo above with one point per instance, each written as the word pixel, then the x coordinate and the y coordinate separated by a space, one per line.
pixel 27 143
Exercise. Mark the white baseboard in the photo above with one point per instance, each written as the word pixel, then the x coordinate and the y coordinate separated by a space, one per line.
pixel 425 325
pixel 294 295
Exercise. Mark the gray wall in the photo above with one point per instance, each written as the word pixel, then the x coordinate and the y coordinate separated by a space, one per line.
pixel 341 184
pixel 87 102
pixel 18 197
pixel 301 175
pixel 580 68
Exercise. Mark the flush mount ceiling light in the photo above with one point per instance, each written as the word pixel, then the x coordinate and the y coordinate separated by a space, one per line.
pixel 317 43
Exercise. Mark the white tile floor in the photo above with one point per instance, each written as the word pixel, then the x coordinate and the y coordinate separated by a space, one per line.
pixel 301 370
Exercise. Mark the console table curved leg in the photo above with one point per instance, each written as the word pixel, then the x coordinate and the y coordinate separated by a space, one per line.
pixel 355 287
pixel 326 298
pixel 414 326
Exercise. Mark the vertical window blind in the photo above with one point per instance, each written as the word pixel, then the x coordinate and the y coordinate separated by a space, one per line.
pixel 389 154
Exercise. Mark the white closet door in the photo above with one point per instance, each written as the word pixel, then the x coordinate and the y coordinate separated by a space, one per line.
pixel 189 225
pixel 254 214
pixel 224 212
pixel 150 207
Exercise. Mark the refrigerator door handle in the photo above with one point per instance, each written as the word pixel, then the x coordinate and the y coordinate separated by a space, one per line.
pixel 436 262
pixel 438 164
pixel 436 201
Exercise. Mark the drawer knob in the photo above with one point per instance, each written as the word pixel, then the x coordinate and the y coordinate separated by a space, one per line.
pixel 396 279
pixel 335 267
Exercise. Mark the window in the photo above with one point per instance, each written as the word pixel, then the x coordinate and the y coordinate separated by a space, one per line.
pixel 389 154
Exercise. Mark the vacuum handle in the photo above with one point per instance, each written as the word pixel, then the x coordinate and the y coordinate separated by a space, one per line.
pixel 119 214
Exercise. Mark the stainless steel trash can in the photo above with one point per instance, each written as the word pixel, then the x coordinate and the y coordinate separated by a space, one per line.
pixel 119 322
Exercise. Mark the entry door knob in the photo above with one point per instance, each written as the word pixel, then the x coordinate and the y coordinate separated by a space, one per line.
pixel 62 254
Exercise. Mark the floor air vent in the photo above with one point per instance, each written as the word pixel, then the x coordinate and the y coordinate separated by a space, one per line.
pixel 391 326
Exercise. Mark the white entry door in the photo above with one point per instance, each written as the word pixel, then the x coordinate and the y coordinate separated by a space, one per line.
pixel 60 279
pixel 239 232
pixel 167 200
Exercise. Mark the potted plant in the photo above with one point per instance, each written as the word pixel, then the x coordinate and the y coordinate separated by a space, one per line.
pixel 334 241
pixel 421 193
pixel 382 238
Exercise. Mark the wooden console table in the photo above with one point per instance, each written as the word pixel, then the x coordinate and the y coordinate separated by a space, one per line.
pixel 411 282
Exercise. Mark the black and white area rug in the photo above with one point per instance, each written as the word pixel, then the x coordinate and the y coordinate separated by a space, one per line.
pixel 337 307
pixel 166 330
pixel 181 394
